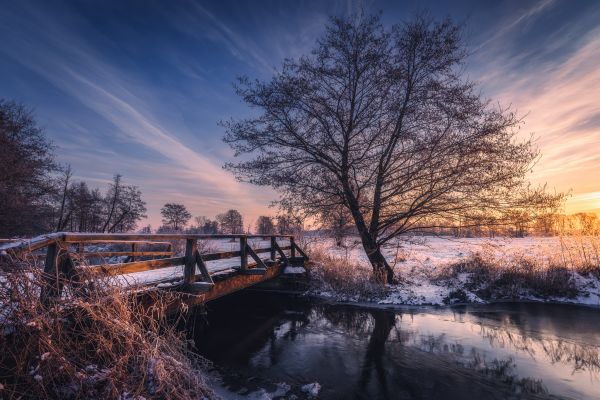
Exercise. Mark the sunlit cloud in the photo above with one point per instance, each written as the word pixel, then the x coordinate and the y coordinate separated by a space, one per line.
pixel 559 101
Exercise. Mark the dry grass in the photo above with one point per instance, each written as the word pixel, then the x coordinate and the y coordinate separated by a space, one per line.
pixel 492 279
pixel 544 276
pixel 97 345
pixel 341 276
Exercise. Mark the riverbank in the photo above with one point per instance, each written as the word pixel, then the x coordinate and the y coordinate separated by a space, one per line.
pixel 443 271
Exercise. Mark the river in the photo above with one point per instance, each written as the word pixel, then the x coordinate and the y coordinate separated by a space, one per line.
pixel 499 351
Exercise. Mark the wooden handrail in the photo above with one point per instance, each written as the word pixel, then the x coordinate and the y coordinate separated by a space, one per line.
pixel 41 241
pixel 60 264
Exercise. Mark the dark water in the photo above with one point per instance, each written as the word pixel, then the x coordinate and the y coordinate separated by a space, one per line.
pixel 475 352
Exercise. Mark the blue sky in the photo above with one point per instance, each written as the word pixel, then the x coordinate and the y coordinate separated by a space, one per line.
pixel 138 87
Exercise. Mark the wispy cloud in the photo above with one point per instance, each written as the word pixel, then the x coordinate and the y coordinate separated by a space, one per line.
pixel 559 96
pixel 68 63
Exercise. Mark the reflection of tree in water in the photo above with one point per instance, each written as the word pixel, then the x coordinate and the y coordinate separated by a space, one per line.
pixel 383 324
pixel 581 357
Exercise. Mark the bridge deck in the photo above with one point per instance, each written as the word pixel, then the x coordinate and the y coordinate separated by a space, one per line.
pixel 202 267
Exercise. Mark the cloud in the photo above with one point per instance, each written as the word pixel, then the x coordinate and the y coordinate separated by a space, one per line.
pixel 178 171
pixel 559 96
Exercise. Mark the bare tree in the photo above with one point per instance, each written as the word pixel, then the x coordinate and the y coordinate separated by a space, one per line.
pixel 264 225
pixel 26 173
pixel 382 122
pixel 67 174
pixel 338 221
pixel 288 224
pixel 114 193
pixel 231 222
pixel 204 225
pixel 175 216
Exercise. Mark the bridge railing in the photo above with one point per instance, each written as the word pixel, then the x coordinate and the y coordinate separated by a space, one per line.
pixel 66 254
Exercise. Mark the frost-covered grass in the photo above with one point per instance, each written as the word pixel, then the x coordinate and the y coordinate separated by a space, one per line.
pixel 93 343
pixel 436 270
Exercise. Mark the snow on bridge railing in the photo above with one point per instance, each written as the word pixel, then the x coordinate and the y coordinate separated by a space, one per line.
pixel 60 266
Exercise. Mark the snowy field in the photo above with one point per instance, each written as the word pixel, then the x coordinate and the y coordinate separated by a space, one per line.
pixel 419 260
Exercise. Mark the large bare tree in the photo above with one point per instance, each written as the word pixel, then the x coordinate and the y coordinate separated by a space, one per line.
pixel 382 122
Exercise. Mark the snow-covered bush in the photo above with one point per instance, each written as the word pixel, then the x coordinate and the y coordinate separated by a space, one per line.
pixel 96 344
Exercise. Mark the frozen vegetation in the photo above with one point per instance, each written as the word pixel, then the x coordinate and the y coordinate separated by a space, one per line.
pixel 440 270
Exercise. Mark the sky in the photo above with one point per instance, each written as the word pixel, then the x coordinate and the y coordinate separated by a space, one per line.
pixel 138 87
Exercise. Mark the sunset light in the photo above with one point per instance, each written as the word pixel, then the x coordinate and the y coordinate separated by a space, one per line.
pixel 300 199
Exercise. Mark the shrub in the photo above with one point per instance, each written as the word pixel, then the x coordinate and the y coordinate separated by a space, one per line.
pixel 103 344
pixel 342 277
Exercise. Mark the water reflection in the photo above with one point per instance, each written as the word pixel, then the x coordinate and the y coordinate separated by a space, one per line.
pixel 472 352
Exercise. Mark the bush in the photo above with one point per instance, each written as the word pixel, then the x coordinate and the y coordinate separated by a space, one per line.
pixel 103 344
pixel 494 279
pixel 336 274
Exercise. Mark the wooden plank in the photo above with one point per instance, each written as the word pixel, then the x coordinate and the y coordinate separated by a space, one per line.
pixel 189 272
pixel 127 253
pixel 102 241
pixel 138 266
pixel 220 256
pixel 197 287
pixel 281 253
pixel 202 267
pixel 252 271
pixel 293 249
pixel 302 253
pixel 35 243
pixel 52 282
pixel 255 257
pixel 71 237
pixel 272 249
pixel 244 253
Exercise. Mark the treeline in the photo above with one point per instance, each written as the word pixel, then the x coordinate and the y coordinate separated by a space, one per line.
pixel 38 195
pixel 177 219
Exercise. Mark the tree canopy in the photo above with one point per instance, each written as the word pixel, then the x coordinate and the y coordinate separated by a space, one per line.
pixel 383 123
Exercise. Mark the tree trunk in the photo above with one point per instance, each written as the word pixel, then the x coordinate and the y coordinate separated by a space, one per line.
pixel 381 269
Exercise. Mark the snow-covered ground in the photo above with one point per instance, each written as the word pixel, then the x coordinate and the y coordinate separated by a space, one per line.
pixel 206 246
pixel 419 260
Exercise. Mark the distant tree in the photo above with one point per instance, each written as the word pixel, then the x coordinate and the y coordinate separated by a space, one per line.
pixel 175 216
pixel 204 225
pixel 287 224
pixel 264 225
pixel 129 210
pixel 67 174
pixel 383 123
pixel 231 222
pixel 338 221
pixel 26 173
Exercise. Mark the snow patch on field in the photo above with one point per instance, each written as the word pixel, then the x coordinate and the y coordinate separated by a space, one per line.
pixel 418 260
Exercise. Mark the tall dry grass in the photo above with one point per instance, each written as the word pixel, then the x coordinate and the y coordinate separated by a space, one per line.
pixel 547 275
pixel 342 276
pixel 94 344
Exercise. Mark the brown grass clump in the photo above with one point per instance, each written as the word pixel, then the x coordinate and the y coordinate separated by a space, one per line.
pixel 98 345
pixel 511 278
pixel 342 277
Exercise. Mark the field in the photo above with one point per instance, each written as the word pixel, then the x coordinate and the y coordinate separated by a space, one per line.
pixel 439 270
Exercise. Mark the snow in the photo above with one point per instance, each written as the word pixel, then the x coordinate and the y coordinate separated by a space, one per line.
pixel 294 270
pixel 418 259
pixel 312 389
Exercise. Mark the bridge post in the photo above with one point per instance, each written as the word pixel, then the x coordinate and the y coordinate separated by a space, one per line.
pixel 243 253
pixel 134 248
pixel 189 272
pixel 273 249
pixel 293 248
pixel 51 274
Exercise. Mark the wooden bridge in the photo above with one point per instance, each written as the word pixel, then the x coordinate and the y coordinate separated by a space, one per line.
pixel 70 258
